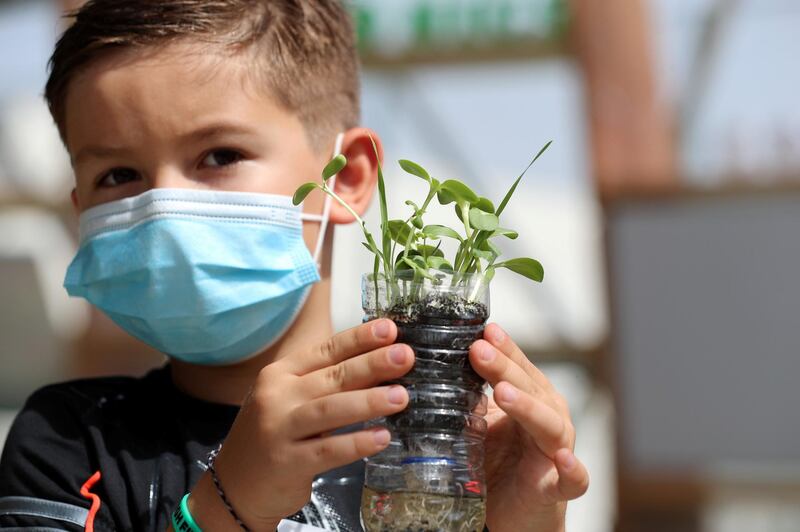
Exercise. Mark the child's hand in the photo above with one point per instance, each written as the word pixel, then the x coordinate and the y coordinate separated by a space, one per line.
pixel 530 469
pixel 280 439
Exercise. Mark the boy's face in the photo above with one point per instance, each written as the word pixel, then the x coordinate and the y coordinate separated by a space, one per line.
pixel 180 119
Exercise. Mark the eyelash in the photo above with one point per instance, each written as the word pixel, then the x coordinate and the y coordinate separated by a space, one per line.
pixel 238 157
pixel 101 182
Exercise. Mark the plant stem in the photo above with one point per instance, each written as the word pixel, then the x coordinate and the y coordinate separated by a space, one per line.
pixel 479 281
pixel 369 238
pixel 344 204
pixel 375 269
pixel 465 218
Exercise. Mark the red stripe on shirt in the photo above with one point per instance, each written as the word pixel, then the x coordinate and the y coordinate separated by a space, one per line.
pixel 89 527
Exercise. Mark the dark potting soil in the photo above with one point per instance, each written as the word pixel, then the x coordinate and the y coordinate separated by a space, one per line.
pixel 440 328
pixel 438 308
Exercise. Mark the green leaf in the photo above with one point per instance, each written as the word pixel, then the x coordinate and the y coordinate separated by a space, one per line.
pixel 386 240
pixel 367 246
pixel 399 231
pixel 486 245
pixel 417 221
pixel 412 205
pixel 485 205
pixel 303 191
pixel 437 231
pixel 425 251
pixel 445 197
pixel 414 169
pixel 481 254
pixel 529 268
pixel 440 263
pixel 409 263
pixel 401 264
pixel 428 251
pixel 459 192
pixel 414 253
pixel 373 246
pixel 509 233
pixel 334 167
pixel 484 221
pixel 420 269
pixel 514 186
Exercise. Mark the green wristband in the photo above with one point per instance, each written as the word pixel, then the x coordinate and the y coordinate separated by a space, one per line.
pixel 182 520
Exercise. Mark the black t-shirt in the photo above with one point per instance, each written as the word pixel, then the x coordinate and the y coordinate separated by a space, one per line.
pixel 149 441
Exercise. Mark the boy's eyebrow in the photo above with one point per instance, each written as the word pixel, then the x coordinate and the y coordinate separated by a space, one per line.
pixel 97 151
pixel 204 132
pixel 216 129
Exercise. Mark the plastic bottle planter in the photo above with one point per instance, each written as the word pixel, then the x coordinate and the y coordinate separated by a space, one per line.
pixel 431 476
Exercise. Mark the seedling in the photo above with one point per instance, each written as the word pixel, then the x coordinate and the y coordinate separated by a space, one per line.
pixel 411 250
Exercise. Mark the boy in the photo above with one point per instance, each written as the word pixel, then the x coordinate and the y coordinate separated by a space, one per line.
pixel 189 124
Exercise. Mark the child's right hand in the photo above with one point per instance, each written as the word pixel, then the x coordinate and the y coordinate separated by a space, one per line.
pixel 281 438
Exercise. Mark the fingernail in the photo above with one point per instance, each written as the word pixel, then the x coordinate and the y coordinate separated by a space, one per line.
pixel 397 354
pixel 508 393
pixel 396 394
pixel 487 353
pixel 381 436
pixel 381 329
pixel 497 334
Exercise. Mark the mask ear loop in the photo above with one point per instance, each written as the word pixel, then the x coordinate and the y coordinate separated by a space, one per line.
pixel 323 218
pixel 326 209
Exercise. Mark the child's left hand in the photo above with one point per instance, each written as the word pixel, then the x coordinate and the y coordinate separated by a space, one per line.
pixel 530 469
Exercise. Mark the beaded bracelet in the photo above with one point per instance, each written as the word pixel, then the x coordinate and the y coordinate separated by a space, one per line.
pixel 211 457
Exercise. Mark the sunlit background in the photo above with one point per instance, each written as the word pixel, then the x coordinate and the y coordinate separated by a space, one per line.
pixel 666 214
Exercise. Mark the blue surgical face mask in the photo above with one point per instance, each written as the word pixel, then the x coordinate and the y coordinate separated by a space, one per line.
pixel 208 277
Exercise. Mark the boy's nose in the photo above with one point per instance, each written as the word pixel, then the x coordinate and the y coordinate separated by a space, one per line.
pixel 171 178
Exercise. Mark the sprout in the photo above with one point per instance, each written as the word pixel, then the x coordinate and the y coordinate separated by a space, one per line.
pixel 476 253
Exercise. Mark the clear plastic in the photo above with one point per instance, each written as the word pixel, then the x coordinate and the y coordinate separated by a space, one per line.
pixel 431 476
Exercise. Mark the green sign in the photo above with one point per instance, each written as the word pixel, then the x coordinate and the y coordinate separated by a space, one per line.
pixel 428 28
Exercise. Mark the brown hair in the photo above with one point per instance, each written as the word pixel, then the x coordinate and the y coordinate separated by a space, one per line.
pixel 303 49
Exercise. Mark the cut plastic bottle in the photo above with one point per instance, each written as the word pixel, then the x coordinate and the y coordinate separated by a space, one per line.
pixel 431 476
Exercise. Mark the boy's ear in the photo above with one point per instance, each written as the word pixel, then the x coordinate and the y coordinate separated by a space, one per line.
pixel 356 182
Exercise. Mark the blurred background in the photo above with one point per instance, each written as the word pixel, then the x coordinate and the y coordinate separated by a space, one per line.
pixel 666 214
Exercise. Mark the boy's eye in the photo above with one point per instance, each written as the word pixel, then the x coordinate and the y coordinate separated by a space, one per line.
pixel 222 157
pixel 118 176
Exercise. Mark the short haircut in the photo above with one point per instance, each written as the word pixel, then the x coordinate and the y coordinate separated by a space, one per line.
pixel 303 51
